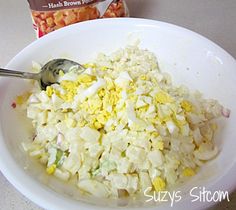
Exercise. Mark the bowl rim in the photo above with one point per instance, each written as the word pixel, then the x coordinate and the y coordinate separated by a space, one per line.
pixel 9 167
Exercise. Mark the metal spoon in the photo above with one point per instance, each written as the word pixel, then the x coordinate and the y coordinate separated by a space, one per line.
pixel 49 73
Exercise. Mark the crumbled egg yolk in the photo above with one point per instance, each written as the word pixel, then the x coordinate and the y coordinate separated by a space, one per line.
pixel 107 97
pixel 49 91
pixel 159 184
pixel 97 125
pixel 155 134
pixel 71 90
pixel 22 98
pixel 114 97
pixel 103 68
pixel 94 105
pixel 19 100
pixel 70 87
pixel 143 77
pixel 163 97
pixel 51 169
pixel 101 93
pixel 188 172
pixel 81 123
pixel 85 78
pixel 90 65
pixel 187 106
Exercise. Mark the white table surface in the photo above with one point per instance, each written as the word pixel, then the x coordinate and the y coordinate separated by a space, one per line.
pixel 215 19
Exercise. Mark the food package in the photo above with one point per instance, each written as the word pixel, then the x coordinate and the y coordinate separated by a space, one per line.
pixel 49 15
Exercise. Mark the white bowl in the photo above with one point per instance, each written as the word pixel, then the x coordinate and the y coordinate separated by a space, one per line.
pixel 190 58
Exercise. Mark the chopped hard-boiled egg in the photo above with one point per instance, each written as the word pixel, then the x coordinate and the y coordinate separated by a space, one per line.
pixel 121 126
pixel 187 106
pixel 159 184
pixel 188 172
pixel 163 97
pixel 51 169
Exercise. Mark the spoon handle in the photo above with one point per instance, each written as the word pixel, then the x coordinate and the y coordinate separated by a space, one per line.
pixel 23 75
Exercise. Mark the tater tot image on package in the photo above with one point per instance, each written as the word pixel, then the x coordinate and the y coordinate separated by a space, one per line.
pixel 50 15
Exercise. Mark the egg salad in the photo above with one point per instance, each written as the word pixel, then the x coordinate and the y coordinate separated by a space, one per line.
pixel 121 127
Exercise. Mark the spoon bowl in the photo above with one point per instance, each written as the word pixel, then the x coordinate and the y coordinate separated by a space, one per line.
pixel 49 73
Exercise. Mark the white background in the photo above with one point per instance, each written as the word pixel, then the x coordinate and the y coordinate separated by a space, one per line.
pixel 214 19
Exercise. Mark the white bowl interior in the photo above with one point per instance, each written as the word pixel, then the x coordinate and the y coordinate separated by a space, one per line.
pixel 190 59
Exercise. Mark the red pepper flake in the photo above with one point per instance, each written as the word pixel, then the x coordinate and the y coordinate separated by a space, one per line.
pixel 13 105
